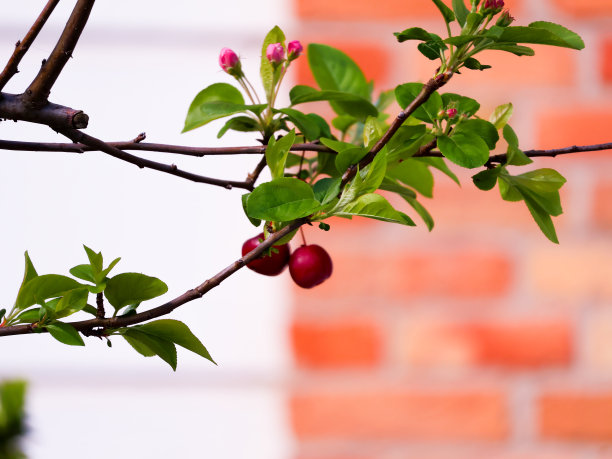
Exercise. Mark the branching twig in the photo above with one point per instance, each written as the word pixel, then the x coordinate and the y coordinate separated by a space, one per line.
pixel 86 326
pixel 13 107
pixel 38 92
pixel 97 144
pixel 22 46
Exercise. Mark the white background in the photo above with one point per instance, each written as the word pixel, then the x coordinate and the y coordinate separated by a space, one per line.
pixel 137 68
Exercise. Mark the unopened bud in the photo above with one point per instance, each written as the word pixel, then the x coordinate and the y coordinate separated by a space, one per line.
pixel 230 63
pixel 505 19
pixel 493 6
pixel 275 53
pixel 451 112
pixel 294 49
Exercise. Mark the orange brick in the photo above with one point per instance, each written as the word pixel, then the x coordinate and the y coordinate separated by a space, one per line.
pixel 389 413
pixel 541 70
pixel 336 345
pixel 367 10
pixel 562 127
pixel 606 61
pixel 585 8
pixel 525 344
pixel 576 416
pixel 373 58
pixel 602 206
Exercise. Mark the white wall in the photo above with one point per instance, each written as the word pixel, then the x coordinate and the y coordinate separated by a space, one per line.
pixel 138 67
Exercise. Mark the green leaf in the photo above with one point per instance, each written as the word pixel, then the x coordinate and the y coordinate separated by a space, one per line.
pixel 254 221
pixel 542 33
pixel 129 288
pixel 541 180
pixel 510 136
pixel 326 189
pixel 29 316
pixel 29 273
pixel 415 174
pixel 461 11
pixel 336 145
pixel 41 288
pixel 427 112
pixel 422 211
pixel 373 130
pixel 463 104
pixel 83 272
pixel 347 158
pixel 385 99
pixel 441 165
pixel 276 153
pixel 178 333
pixel 465 149
pixel 270 75
pixel 374 206
pixel 344 103
pixel 65 333
pixel 240 124
pixel 307 126
pixel 432 49
pixel 73 301
pixel 216 101
pixel 413 33
pixel 486 179
pixel 282 199
pixel 474 64
pixel 447 13
pixel 374 173
pixel 512 48
pixel 105 272
pixel 149 345
pixel 483 129
pixel 407 141
pixel 542 218
pixel 472 21
pixel 501 115
pixel 324 130
pixel 389 184
pixel 95 259
pixel 515 156
pixel 344 122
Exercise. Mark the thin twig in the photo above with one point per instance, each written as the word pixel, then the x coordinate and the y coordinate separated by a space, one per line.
pixel 100 304
pixel 80 137
pixel 40 88
pixel 554 152
pixel 87 326
pixel 21 47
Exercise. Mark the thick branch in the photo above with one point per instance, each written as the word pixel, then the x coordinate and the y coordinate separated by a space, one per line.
pixel 39 90
pixel 97 144
pixel 21 47
pixel 86 326
pixel 58 117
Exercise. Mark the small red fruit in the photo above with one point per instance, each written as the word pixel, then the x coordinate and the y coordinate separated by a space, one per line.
pixel 268 265
pixel 310 265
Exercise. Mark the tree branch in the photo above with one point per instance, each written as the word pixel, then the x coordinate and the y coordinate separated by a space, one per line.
pixel 87 326
pixel 38 92
pixel 97 144
pixel 22 46
pixel 55 116
pixel 554 152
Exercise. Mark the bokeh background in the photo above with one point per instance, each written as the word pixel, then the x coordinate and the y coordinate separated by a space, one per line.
pixel 480 339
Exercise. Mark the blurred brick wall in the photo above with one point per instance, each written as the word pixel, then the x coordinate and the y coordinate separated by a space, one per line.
pixel 480 339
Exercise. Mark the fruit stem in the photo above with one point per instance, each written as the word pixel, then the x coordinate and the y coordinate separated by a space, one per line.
pixel 302 234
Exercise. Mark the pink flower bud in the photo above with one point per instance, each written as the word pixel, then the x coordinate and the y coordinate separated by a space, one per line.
pixel 294 49
pixel 229 62
pixel 493 5
pixel 275 53
pixel 451 112
pixel 504 20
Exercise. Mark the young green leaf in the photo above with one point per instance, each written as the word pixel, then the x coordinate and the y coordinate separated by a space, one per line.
pixel 83 272
pixel 464 148
pixel 501 115
pixel 254 221
pixel 65 333
pixel 336 145
pixel 269 75
pixel 373 130
pixel 240 124
pixel 374 206
pixel 422 211
pixel 447 13
pixel 29 316
pixel 276 153
pixel 413 33
pixel 461 11
pixel 216 101
pixel 73 301
pixel 178 333
pixel 282 199
pixel 41 288
pixel 515 156
pixel 129 288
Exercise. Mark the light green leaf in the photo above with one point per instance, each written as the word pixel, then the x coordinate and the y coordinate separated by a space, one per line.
pixel 483 129
pixel 486 180
pixel 254 221
pixel 84 272
pixel 373 130
pixel 41 288
pixel 347 158
pixel 29 273
pixel 415 174
pixel 374 206
pixel 129 288
pixel 73 301
pixel 269 75
pixel 501 115
pixel 65 333
pixel 282 199
pixel 327 189
pixel 216 101
pixel 440 164
pixel 542 218
pixel 276 153
pixel 465 149
pixel 336 145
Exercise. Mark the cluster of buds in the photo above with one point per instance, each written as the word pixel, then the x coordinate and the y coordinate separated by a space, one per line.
pixel 492 6
pixel 448 114
pixel 275 52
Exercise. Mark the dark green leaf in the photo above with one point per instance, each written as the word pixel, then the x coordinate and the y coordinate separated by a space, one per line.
pixel 324 130
pixel 427 112
pixel 542 218
pixel 326 189
pixel 276 153
pixel 513 48
pixel 486 179
pixel 344 103
pixel 474 64
pixel 415 174
pixel 430 49
pixel 282 199
pixel 461 11
pixel 347 158
pixel 407 141
pixel 29 316
pixel 149 345
pixel 216 101
pixel 178 333
pixel 463 104
pixel 374 206
pixel 483 129
pixel 307 126
pixel 65 333
pixel 414 33
pixel 423 213
pixel 254 221
pixel 90 310
pixel 270 75
pixel 447 13
pixel 440 164
pixel 41 288
pixel 542 33
pixel 129 288
pixel 465 149
pixel 239 123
